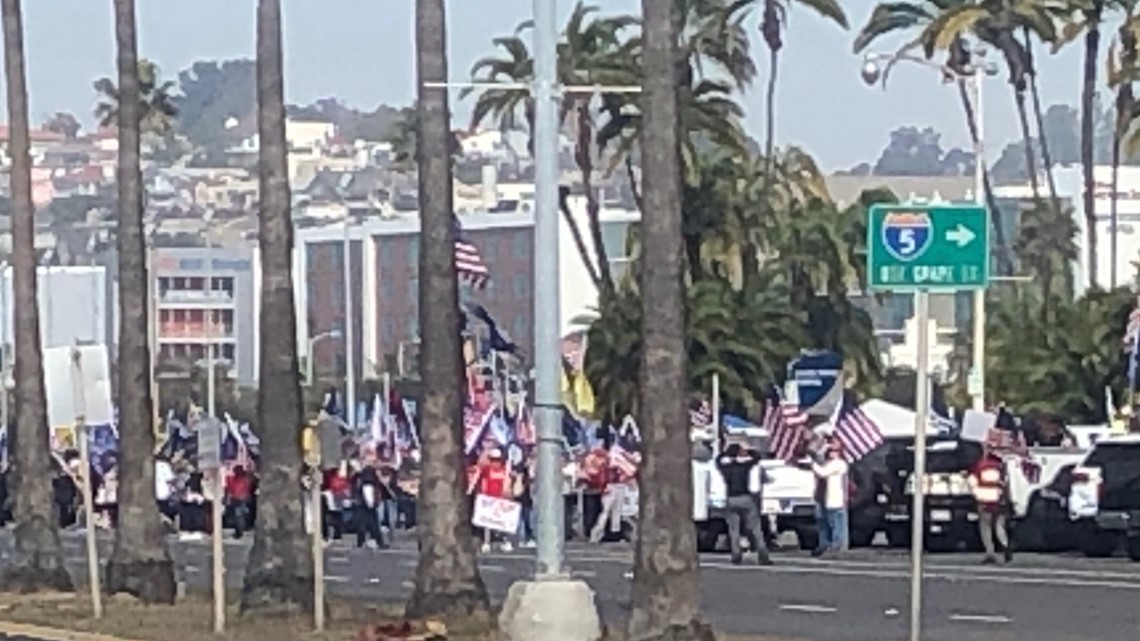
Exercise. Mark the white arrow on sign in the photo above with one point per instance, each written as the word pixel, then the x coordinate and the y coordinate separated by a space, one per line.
pixel 961 236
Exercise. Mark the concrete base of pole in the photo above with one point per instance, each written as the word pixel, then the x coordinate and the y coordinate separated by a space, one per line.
pixel 558 609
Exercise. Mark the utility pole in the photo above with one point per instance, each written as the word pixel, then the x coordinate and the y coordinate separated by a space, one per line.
pixel 349 337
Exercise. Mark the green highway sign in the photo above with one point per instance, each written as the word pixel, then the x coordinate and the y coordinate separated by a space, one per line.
pixel 937 247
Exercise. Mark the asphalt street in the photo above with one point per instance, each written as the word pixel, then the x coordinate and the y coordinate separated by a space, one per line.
pixel 861 597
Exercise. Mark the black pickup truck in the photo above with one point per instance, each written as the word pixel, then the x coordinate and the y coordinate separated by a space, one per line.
pixel 1113 469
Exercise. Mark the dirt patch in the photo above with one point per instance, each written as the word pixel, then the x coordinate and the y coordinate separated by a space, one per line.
pixel 192 618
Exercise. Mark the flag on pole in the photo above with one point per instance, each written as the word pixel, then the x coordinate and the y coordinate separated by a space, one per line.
pixel 469 265
pixel 700 415
pixel 856 432
pixel 787 425
pixel 378 424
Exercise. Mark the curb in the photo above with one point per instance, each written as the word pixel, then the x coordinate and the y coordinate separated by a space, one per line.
pixel 54 634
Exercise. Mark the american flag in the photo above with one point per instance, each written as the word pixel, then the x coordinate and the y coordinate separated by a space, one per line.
pixel 525 432
pixel 574 350
pixel 469 265
pixel 625 455
pixel 856 432
pixel 624 460
pixel 700 416
pixel 786 425
pixel 1008 444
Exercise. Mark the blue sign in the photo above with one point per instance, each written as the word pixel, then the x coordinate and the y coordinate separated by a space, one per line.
pixel 815 374
pixel 907 235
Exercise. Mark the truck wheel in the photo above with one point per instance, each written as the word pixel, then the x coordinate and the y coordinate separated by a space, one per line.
pixel 707 538
pixel 1098 544
pixel 808 538
pixel 862 537
pixel 1132 546
pixel 898 536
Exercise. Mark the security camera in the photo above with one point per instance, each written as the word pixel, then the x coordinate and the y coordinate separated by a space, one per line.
pixel 871 72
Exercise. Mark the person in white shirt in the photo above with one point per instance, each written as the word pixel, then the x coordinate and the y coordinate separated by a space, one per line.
pixel 164 481
pixel 831 500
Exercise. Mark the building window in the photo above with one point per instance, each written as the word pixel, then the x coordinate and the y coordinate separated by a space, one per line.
pixel 520 286
pixel 521 245
pixel 385 288
pixel 518 330
pixel 413 289
pixel 385 250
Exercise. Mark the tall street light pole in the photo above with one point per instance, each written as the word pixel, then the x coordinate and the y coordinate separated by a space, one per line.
pixel 309 354
pixel 547 384
pixel 349 323
pixel 875 68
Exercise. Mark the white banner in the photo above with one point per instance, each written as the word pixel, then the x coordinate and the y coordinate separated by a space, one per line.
pixel 500 515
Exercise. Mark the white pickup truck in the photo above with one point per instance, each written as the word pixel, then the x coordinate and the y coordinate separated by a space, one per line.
pixel 787 501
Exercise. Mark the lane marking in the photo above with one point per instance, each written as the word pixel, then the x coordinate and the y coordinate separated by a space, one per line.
pixel 339 559
pixel 336 579
pixel 408 584
pixel 981 618
pixel 494 569
pixel 585 574
pixel 808 608
pixel 191 569
pixel 888 574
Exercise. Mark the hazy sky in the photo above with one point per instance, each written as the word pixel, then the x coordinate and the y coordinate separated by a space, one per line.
pixel 361 52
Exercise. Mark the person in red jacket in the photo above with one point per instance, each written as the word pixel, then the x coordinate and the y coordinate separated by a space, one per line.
pixel 494 480
pixel 987 481
pixel 239 496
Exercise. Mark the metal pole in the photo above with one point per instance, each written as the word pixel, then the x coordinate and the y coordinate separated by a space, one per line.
pixel 921 417
pixel 5 346
pixel 79 398
pixel 318 547
pixel 152 333
pixel 349 340
pixel 211 384
pixel 309 362
pixel 979 355
pixel 547 406
pixel 219 550
pixel 716 405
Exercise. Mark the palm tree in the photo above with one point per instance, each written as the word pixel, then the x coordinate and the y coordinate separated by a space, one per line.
pixel 37 562
pixel 665 598
pixel 140 564
pixel 1093 16
pixel 774 16
pixel 592 52
pixel 280 566
pixel 447 576
pixel 156 95
pixel 1123 59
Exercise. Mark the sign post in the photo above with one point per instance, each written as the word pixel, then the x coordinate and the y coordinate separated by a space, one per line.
pixel 920 248
pixel 210 461
pixel 80 399
pixel 317 522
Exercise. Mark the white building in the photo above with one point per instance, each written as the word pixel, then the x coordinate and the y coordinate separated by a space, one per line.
pixel 1070 184
pixel 77 305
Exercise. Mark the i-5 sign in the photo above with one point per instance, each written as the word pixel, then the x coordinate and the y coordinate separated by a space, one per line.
pixel 938 247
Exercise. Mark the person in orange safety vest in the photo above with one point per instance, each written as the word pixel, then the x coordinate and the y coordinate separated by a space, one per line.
pixel 987 481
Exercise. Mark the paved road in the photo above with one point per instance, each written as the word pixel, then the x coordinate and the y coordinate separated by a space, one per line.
pixel 863 597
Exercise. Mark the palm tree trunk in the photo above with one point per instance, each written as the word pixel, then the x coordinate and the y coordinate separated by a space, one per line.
pixel 37 559
pixel 1039 119
pixel 1005 262
pixel 280 565
pixel 579 239
pixel 1027 138
pixel 140 564
pixel 1125 105
pixel 447 581
pixel 583 155
pixel 1117 141
pixel 1088 133
pixel 665 597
